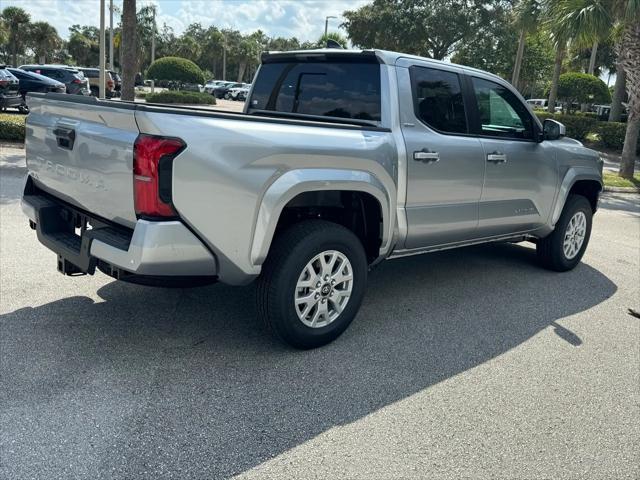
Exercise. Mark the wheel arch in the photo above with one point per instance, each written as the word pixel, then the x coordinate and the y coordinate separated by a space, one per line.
pixel 584 181
pixel 301 182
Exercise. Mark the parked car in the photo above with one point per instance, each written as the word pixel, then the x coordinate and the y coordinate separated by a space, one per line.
pixel 93 74
pixel 34 82
pixel 542 104
pixel 117 83
pixel 211 84
pixel 9 90
pixel 341 159
pixel 222 90
pixel 72 78
pixel 239 93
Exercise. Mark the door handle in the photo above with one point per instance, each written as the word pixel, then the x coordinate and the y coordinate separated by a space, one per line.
pixel 497 157
pixel 426 156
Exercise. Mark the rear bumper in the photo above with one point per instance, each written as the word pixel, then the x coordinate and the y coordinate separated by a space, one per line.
pixel 10 101
pixel 156 249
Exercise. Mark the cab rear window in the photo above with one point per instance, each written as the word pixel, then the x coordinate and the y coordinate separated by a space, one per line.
pixel 326 89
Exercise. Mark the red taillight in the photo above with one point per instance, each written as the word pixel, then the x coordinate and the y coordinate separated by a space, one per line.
pixel 4 83
pixel 110 83
pixel 75 80
pixel 152 160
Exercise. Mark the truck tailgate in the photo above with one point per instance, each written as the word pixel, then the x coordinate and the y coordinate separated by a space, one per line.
pixel 82 152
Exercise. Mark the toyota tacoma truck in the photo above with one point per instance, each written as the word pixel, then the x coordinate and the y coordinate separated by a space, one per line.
pixel 340 159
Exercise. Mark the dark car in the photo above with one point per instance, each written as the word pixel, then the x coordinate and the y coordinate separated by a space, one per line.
pixel 221 91
pixel 73 79
pixel 34 82
pixel 9 90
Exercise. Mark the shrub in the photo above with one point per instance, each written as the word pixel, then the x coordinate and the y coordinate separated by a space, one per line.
pixel 12 127
pixel 578 126
pixel 194 98
pixel 587 114
pixel 175 69
pixel 577 87
pixel 612 134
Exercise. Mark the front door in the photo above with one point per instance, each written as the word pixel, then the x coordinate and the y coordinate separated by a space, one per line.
pixel 521 173
pixel 445 165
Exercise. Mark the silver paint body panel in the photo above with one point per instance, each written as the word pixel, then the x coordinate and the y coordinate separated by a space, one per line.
pixel 238 172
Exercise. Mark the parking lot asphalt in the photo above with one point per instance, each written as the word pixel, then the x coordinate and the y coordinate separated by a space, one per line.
pixel 463 364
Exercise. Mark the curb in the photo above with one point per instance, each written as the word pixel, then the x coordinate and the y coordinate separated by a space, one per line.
pixel 622 189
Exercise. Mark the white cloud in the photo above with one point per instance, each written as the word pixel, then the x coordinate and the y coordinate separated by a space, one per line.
pixel 303 19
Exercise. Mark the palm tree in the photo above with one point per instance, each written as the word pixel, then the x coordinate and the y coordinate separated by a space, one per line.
pixel 525 20
pixel 129 49
pixel 628 48
pixel 586 20
pixel 560 38
pixel 16 19
pixel 335 36
pixel 44 39
pixel 585 23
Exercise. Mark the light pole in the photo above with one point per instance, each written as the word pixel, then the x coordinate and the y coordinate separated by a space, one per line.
pixel 224 57
pixel 326 24
pixel 111 34
pixel 101 89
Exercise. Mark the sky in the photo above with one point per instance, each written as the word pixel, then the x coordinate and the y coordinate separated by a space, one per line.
pixel 303 19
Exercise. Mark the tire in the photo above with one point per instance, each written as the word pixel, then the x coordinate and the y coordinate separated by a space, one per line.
pixel 291 253
pixel 551 250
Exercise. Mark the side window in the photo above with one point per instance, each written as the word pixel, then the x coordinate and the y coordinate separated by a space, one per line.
pixel 49 73
pixel 502 114
pixel 437 99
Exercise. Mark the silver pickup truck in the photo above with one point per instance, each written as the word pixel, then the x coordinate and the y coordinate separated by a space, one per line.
pixel 341 159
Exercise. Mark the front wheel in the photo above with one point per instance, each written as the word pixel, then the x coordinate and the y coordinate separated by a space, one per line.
pixel 312 283
pixel 563 249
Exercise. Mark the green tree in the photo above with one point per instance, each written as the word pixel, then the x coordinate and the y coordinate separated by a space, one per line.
pixel 16 21
pixel 585 20
pixel 525 20
pixel 490 47
pixel 281 44
pixel 188 47
pixel 175 69
pixel 335 36
pixel 83 45
pixel 431 28
pixel 44 40
pixel 582 88
pixel 585 23
pixel 628 18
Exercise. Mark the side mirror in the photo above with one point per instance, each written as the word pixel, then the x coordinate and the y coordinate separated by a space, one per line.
pixel 553 130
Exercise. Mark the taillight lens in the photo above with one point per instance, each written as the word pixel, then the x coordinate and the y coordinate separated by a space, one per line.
pixel 152 161
pixel 76 80
pixel 110 83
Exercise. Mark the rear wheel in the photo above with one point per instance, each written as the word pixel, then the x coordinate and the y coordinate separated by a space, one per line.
pixel 312 283
pixel 563 249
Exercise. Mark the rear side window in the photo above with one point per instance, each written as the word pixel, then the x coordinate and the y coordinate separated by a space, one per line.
pixel 327 89
pixel 437 99
pixel 51 73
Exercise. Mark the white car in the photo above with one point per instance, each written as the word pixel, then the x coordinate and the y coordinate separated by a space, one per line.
pixel 239 93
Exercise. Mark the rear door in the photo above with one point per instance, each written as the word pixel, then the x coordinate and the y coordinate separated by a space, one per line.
pixel 521 173
pixel 444 162
pixel 82 152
